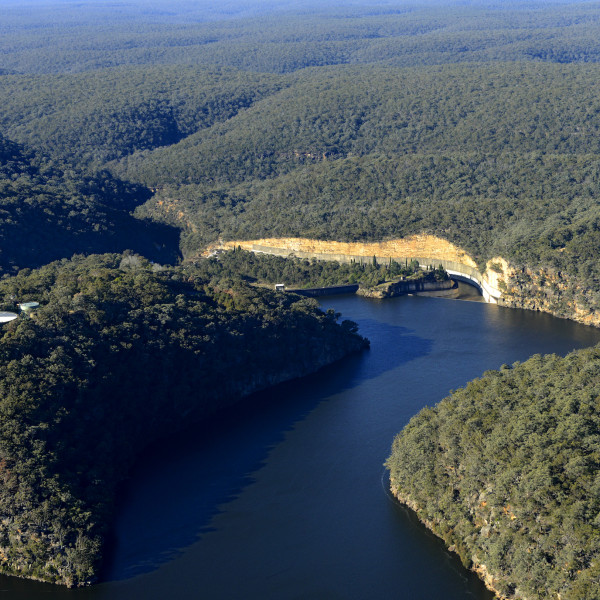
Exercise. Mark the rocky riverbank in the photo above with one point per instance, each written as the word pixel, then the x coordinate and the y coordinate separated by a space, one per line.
pixel 390 289
pixel 482 571
pixel 515 286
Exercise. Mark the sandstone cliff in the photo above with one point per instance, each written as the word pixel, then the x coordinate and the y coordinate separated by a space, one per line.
pixel 534 288
pixel 428 250
pixel 551 291
pixel 416 246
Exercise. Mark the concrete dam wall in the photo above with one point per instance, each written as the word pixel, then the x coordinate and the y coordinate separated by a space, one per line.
pixel 427 250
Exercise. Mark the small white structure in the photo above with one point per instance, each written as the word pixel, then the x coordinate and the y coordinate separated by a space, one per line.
pixel 279 287
pixel 5 317
pixel 27 307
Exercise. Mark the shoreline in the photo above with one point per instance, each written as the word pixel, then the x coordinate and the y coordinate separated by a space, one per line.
pixel 480 569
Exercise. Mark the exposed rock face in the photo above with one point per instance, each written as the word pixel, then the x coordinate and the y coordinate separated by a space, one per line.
pixel 399 288
pixel 426 249
pixel 415 246
pixel 497 272
pixel 542 289
pixel 551 291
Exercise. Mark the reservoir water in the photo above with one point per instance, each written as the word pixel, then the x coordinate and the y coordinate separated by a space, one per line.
pixel 287 498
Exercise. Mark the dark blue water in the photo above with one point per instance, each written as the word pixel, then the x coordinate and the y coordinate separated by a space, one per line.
pixel 288 498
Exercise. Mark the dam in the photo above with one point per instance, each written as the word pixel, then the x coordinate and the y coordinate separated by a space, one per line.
pixel 432 252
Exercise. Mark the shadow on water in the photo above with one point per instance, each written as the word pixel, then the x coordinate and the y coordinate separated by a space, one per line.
pixel 179 483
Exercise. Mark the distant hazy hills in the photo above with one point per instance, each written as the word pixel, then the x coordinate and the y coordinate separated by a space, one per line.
pixel 281 37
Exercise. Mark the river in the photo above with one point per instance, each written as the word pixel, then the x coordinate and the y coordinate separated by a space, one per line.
pixel 287 498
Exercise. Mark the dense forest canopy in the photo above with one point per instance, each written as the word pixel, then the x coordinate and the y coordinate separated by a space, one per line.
pixel 119 353
pixel 287 36
pixel 160 127
pixel 506 471
pixel 100 116
pixel 332 113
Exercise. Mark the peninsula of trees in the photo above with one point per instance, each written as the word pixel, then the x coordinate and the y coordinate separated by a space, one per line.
pixel 120 353
pixel 506 472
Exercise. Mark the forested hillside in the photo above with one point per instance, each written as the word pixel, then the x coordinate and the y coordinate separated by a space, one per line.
pixel 501 158
pixel 333 113
pixel 506 472
pixel 91 118
pixel 49 211
pixel 120 353
pixel 160 128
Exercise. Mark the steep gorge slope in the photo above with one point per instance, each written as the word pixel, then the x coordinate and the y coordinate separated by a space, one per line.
pixel 48 211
